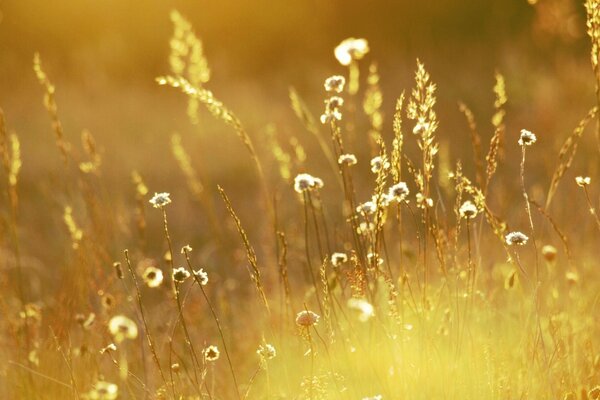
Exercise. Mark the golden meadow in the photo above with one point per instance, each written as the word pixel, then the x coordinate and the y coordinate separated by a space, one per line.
pixel 326 237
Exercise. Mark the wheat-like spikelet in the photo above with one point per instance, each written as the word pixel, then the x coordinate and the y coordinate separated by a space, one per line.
pixel 50 103
pixel 187 59
pixel 372 103
pixel 398 141
pixel 496 143
pixel 567 154
pixel 250 253
pixel 282 157
pixel 91 150
pixel 74 230
pixel 475 143
pixel 141 190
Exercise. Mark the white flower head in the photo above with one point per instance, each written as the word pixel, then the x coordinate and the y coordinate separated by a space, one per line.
pixel 266 351
pixel 153 277
pixel 159 200
pixel 307 318
pixel 516 238
pixel 335 83
pixel 347 159
pixel 180 274
pixel 338 259
pixel 468 210
pixel 304 182
pixel 399 191
pixel 583 180
pixel 202 276
pixel 211 353
pixel 377 163
pixel 332 109
pixel 527 138
pixel 121 328
pixel 351 49
pixel 366 208
pixel 103 391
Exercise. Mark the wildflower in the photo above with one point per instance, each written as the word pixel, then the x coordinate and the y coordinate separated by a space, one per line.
pixel 338 259
pixel 103 391
pixel 153 277
pixel 180 274
pixel 186 249
pixel 332 109
pixel 307 318
pixel 351 49
pixel 364 228
pixel 122 328
pixel 335 83
pixel 304 182
pixel 202 276
pixel 266 351
pixel 376 397
pixel 159 200
pixel 399 191
pixel 527 138
pixel 583 181
pixel 516 238
pixel 549 252
pixel 211 353
pixel 381 200
pixel 377 163
pixel 423 201
pixel 468 210
pixel 348 159
pixel 365 309
pixel 366 208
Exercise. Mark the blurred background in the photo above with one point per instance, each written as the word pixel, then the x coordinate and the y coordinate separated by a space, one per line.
pixel 103 56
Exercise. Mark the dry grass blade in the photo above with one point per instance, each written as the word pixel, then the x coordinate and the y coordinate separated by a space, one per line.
pixel 250 253
pixel 475 142
pixel 567 154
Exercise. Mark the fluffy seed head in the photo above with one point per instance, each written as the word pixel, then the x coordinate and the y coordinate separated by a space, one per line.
pixel 153 277
pixel 202 276
pixel 527 138
pixel 379 162
pixel 399 191
pixel 103 391
pixel 583 180
pixel 351 49
pixel 516 238
pixel 307 318
pixel 266 351
pixel 348 159
pixel 468 210
pixel 211 353
pixel 180 274
pixel 159 200
pixel 304 182
pixel 335 83
pixel 338 259
pixel 121 328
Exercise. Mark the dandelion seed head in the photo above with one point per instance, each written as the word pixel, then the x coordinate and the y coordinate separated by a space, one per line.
pixel 121 328
pixel 516 238
pixel 527 138
pixel 351 49
pixel 159 200
pixel 307 318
